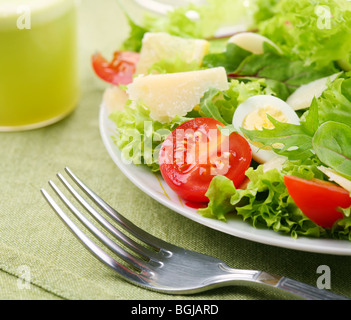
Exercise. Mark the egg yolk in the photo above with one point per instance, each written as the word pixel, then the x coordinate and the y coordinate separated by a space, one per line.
pixel 258 119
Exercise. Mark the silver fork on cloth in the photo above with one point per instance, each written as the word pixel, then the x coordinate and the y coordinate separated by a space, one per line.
pixel 154 264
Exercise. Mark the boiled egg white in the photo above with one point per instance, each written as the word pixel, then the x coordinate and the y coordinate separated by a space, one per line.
pixel 252 115
pixel 252 42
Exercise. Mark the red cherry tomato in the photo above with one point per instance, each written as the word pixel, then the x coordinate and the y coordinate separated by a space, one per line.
pixel 196 152
pixel 120 70
pixel 318 200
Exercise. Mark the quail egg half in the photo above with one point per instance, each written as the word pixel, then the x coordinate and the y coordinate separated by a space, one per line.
pixel 252 115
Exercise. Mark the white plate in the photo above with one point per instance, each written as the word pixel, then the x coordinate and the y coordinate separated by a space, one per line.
pixel 154 186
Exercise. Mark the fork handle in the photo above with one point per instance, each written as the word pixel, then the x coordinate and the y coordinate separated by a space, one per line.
pixel 296 288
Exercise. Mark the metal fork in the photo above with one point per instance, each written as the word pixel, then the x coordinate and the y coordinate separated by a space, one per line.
pixel 154 264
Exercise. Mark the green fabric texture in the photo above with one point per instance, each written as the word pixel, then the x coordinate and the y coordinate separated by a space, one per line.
pixel 35 244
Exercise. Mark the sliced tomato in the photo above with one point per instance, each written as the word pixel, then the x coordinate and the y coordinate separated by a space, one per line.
pixel 118 71
pixel 318 200
pixel 196 152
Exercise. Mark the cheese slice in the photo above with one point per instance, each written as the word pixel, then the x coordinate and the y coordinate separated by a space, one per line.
pixel 175 94
pixel 302 98
pixel 275 163
pixel 252 42
pixel 337 178
pixel 115 99
pixel 157 46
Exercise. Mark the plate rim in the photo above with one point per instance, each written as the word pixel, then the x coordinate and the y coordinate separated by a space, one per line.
pixel 263 236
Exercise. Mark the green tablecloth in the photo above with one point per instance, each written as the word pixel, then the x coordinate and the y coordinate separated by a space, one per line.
pixel 35 244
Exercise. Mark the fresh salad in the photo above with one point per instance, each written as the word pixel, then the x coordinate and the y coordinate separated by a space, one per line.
pixel 253 122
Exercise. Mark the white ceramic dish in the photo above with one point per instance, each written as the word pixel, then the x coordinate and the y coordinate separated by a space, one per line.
pixel 154 186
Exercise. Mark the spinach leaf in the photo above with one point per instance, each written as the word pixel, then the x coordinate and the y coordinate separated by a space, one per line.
pixel 332 146
pixel 229 59
pixel 280 72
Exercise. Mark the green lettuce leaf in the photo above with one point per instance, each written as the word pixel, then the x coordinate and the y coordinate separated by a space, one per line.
pixel 191 21
pixel 331 144
pixel 139 137
pixel 281 73
pixel 208 107
pixel 174 65
pixel 265 203
pixel 342 229
pixel 316 32
pixel 136 35
pixel 221 105
pixel 230 58
pixel 219 193
pixel 305 169
pixel 201 21
pixel 264 10
pixel 335 102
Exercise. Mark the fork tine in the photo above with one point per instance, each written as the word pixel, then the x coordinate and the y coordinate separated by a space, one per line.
pixel 137 263
pixel 131 244
pixel 142 235
pixel 89 244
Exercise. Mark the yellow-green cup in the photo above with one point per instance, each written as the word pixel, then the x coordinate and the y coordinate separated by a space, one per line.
pixel 39 82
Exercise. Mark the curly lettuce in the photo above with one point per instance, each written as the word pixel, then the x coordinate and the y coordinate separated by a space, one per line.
pixel 201 21
pixel 264 10
pixel 316 32
pixel 191 21
pixel 139 137
pixel 335 102
pixel 265 203
pixel 221 105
